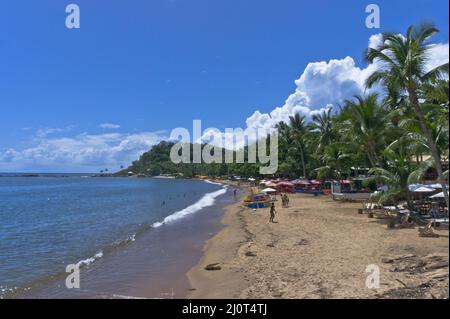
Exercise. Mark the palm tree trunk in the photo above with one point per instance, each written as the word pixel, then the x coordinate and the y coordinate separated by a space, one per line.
pixel 302 158
pixel 373 158
pixel 408 198
pixel 431 143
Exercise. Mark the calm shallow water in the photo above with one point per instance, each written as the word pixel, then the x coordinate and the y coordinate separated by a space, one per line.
pixel 123 231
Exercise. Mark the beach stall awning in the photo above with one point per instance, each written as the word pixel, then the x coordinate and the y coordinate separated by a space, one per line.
pixel 438 195
pixel 251 179
pixel 315 182
pixel 269 190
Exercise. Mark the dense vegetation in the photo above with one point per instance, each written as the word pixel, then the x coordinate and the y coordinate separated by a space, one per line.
pixel 398 135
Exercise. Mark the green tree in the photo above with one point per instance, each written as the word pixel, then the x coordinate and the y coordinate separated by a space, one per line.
pixel 402 60
pixel 323 123
pixel 368 124
pixel 298 131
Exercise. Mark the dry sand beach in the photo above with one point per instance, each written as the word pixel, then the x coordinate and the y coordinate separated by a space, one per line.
pixel 319 248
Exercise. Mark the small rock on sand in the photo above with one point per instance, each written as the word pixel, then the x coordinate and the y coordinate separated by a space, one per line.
pixel 212 267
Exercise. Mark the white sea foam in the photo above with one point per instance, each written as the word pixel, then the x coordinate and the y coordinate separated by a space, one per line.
pixel 216 183
pixel 210 182
pixel 206 201
pixel 90 260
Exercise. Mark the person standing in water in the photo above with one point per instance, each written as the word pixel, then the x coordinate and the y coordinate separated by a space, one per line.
pixel 272 213
pixel 235 194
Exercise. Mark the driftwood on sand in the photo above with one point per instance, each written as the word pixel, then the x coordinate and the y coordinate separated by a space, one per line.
pixel 428 231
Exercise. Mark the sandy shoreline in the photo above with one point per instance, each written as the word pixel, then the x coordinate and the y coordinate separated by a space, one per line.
pixel 319 248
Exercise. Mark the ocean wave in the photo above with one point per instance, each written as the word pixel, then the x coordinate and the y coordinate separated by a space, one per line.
pixel 214 183
pixel 88 261
pixel 206 201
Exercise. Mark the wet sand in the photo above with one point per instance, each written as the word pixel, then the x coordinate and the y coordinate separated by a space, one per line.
pixel 319 248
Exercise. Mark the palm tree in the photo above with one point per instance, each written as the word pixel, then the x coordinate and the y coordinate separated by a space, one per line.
pixel 368 123
pixel 400 171
pixel 298 127
pixel 323 123
pixel 337 162
pixel 402 61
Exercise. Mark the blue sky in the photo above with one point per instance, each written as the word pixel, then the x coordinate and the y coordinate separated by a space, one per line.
pixel 146 67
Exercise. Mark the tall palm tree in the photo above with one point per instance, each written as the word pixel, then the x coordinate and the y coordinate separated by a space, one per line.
pixel 323 123
pixel 402 61
pixel 368 123
pixel 298 127
pixel 284 140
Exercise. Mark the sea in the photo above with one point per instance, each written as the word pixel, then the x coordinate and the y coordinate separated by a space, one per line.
pixel 127 237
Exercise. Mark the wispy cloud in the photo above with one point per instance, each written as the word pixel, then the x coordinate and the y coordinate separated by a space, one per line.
pixel 109 126
pixel 43 132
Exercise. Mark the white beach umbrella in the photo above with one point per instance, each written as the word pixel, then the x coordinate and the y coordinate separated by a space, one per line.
pixel 438 195
pixel 423 189
pixel 437 186
pixel 269 190
pixel 412 187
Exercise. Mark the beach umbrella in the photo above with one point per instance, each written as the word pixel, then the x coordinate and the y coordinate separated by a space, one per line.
pixel 269 190
pixel 412 187
pixel 315 182
pixel 288 184
pixel 423 189
pixel 270 184
pixel 437 186
pixel 302 182
pixel 438 195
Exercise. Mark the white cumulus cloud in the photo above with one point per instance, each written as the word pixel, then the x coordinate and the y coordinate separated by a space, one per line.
pixel 84 152
pixel 325 84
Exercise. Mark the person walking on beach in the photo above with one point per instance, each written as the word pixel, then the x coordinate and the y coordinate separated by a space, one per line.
pixel 284 200
pixel 235 194
pixel 272 213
